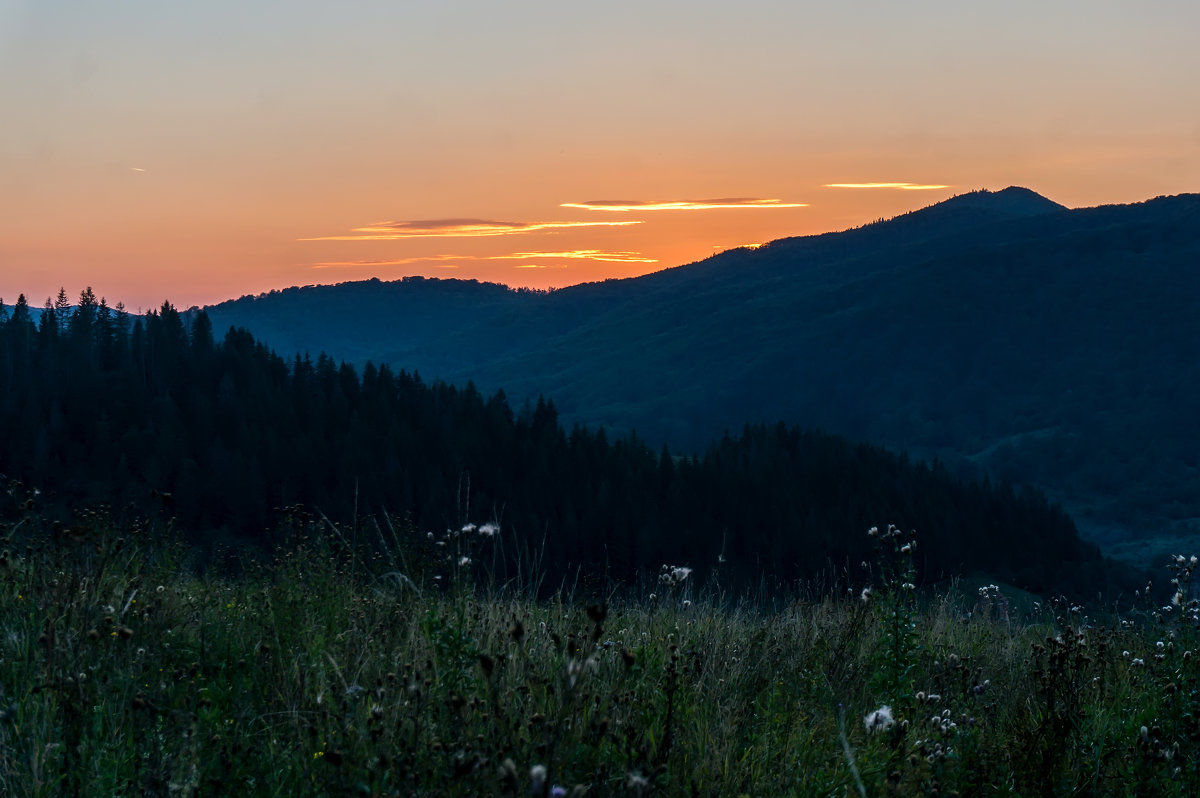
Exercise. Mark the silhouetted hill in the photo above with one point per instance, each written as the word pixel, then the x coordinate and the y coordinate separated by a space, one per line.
pixel 153 417
pixel 1046 345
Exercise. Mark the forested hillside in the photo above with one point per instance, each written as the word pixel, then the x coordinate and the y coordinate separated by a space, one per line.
pixel 159 417
pixel 997 331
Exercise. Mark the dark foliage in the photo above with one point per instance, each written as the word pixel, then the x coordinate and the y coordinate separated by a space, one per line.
pixel 153 415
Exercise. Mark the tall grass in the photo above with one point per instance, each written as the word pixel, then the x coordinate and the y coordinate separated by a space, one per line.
pixel 409 672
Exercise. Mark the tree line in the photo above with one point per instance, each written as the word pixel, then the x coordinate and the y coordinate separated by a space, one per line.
pixel 155 415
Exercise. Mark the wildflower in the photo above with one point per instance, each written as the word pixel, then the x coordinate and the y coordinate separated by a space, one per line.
pixel 537 778
pixel 906 548
pixel 687 603
pixel 468 529
pixel 464 561
pixel 508 774
pixel 637 782
pixel 1137 662
pixel 674 574
pixel 488 530
pixel 865 595
pixel 908 586
pixel 879 720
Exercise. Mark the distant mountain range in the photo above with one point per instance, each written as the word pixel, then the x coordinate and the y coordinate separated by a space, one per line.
pixel 998 331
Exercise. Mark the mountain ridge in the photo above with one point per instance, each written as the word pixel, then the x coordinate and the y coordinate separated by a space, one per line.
pixel 949 331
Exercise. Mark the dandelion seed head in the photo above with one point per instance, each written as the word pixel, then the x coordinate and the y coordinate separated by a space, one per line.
pixel 537 775
pixel 880 720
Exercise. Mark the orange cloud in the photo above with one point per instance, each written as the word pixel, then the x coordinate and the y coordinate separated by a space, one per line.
pixel 901 186
pixel 454 228
pixel 580 254
pixel 347 264
pixel 575 254
pixel 681 205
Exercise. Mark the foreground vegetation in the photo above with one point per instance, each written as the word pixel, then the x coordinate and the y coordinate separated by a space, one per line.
pixel 328 671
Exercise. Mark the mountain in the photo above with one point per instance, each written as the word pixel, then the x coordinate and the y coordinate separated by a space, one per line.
pixel 998 331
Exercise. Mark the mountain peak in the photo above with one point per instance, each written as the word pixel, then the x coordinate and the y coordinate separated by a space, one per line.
pixel 1011 201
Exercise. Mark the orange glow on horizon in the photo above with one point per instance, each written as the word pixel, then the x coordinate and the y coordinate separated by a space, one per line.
pixel 127 168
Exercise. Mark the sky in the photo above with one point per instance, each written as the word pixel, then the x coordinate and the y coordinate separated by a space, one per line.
pixel 194 152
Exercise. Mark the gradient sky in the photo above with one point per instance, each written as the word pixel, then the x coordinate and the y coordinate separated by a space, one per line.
pixel 200 151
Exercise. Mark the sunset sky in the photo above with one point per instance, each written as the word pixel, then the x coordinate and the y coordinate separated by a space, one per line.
pixel 197 151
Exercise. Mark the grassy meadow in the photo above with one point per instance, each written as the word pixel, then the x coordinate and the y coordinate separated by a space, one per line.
pixel 398 666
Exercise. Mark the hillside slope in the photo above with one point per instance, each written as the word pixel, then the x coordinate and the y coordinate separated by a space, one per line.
pixel 1041 344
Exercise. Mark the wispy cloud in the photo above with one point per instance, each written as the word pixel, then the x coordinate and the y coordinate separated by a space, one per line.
pixel 454 228
pixel 580 254
pixel 682 205
pixel 901 186
pixel 575 254
pixel 350 264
